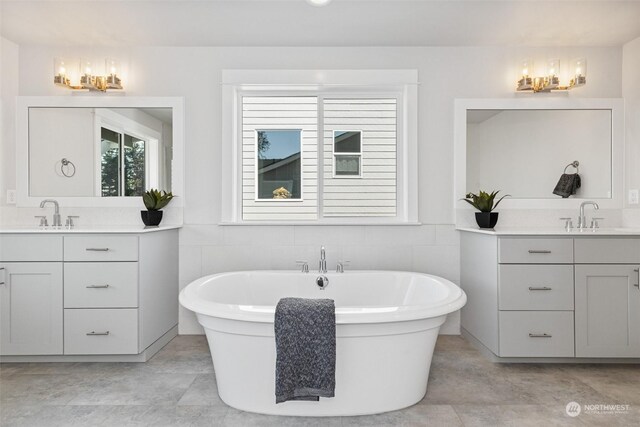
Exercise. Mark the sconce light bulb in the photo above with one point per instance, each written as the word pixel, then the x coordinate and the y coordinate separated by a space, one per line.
pixel 62 70
pixel 578 70
pixel 525 71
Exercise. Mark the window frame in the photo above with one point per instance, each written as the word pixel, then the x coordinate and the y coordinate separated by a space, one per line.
pixel 359 154
pixel 330 84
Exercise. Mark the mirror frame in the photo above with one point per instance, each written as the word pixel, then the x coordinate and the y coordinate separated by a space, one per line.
pixel 24 199
pixel 616 105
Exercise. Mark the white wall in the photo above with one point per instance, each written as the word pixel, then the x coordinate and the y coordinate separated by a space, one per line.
pixel 524 152
pixel 631 93
pixel 195 73
pixel 9 76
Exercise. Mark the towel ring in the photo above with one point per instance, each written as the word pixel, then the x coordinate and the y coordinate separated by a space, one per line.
pixel 67 168
pixel 575 164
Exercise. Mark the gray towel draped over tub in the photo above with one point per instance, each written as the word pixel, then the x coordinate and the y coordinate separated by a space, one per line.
pixel 567 185
pixel 305 331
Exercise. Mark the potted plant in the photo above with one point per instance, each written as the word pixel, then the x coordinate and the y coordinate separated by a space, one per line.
pixel 154 200
pixel 483 201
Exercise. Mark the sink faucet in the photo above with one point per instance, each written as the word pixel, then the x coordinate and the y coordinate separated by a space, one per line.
pixel 56 213
pixel 582 221
pixel 322 266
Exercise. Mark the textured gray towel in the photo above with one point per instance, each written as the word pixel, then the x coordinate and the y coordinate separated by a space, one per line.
pixel 567 185
pixel 305 332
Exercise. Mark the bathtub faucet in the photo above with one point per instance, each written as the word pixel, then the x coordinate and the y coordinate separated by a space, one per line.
pixel 322 266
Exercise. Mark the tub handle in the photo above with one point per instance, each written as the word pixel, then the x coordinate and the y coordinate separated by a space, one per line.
pixel 304 266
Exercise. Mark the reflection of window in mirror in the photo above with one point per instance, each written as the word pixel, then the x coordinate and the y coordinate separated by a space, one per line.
pixel 129 153
pixel 279 164
pixel 347 148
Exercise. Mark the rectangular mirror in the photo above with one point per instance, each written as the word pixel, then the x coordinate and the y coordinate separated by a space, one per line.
pixel 522 147
pixel 106 151
pixel 525 152
pixel 99 152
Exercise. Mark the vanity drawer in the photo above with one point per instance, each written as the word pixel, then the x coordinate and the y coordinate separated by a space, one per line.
pixel 607 251
pixel 101 247
pixel 536 287
pixel 100 284
pixel 535 251
pixel 30 247
pixel 101 331
pixel 536 334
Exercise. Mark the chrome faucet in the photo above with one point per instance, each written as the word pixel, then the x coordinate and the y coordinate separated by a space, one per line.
pixel 582 221
pixel 322 266
pixel 57 222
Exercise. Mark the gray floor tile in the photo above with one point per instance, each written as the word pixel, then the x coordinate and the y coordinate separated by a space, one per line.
pixel 135 389
pixel 203 391
pixel 177 388
pixel 515 415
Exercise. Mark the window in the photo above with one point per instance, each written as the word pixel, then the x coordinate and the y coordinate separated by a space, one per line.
pixel 319 153
pixel 279 164
pixel 122 164
pixel 127 159
pixel 347 157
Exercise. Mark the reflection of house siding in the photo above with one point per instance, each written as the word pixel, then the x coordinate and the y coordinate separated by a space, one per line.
pixel 277 113
pixel 281 172
pixel 375 193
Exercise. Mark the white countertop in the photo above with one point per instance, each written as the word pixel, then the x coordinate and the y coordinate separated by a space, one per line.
pixel 110 229
pixel 552 231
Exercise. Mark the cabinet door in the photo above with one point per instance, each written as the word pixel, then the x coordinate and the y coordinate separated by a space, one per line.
pixel 31 308
pixel 607 310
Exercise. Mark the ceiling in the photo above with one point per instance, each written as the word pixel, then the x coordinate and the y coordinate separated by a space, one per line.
pixel 341 23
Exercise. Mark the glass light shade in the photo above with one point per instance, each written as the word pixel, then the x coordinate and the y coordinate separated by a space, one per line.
pixel 553 67
pixel 60 72
pixel 526 68
pixel 112 66
pixel 579 69
pixel 86 68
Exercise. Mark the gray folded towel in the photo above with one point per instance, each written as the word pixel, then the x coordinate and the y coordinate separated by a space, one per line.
pixel 305 332
pixel 567 185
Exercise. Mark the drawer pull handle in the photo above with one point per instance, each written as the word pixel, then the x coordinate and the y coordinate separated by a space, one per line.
pixel 539 288
pixel 637 285
pixel 539 335
pixel 94 333
pixel 97 286
pixel 534 251
pixel 3 270
pixel 97 249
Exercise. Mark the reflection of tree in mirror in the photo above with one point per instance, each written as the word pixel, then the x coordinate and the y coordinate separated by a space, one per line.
pixel 134 171
pixel 263 144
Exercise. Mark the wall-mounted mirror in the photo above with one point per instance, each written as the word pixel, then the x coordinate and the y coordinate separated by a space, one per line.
pixel 99 152
pixel 525 152
pixel 523 147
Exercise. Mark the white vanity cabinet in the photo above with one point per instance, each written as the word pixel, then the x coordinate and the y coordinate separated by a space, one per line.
pixel 541 297
pixel 31 295
pixel 607 297
pixel 87 296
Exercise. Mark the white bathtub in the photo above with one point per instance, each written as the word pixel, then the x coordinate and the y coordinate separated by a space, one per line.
pixel 387 325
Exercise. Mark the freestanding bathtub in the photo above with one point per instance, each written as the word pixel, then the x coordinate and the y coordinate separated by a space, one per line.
pixel 387 326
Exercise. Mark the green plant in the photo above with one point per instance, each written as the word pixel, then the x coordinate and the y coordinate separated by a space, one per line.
pixel 484 201
pixel 154 200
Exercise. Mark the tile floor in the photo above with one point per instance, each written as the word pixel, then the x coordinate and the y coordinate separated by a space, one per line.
pixel 177 388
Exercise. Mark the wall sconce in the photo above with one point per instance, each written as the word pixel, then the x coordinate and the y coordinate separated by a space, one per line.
pixel 550 82
pixel 88 80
